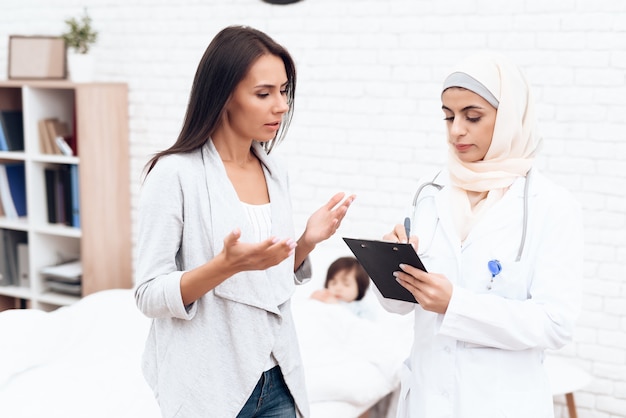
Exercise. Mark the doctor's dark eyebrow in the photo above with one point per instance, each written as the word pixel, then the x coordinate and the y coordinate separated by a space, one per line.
pixel 465 109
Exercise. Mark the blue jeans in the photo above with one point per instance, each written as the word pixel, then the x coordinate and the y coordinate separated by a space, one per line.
pixel 270 398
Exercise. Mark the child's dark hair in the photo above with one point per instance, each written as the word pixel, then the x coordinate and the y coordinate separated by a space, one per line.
pixel 350 264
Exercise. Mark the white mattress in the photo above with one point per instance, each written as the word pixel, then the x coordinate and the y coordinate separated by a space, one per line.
pixel 84 360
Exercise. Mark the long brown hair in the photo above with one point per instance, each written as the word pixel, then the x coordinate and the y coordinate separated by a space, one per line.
pixel 224 64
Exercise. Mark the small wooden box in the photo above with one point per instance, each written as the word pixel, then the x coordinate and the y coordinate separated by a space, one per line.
pixel 36 57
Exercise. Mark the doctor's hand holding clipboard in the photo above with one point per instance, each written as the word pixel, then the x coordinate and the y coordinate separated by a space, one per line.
pixel 431 290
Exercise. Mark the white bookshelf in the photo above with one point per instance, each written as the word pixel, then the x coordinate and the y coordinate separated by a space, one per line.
pixel 98 112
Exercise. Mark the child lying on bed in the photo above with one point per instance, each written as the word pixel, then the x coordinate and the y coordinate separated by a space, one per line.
pixel 346 284
pixel 350 361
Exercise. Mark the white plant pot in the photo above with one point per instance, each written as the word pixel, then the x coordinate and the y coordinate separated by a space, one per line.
pixel 80 67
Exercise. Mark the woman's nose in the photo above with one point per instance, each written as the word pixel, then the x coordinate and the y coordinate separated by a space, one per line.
pixel 281 105
pixel 457 128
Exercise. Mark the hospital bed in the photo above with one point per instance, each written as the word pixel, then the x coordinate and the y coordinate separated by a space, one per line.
pixel 83 360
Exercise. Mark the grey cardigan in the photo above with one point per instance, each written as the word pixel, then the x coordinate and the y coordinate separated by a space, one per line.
pixel 204 359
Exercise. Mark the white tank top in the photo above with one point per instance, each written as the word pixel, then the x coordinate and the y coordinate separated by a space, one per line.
pixel 260 217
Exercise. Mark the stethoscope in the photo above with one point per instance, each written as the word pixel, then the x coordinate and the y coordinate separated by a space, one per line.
pixel 494 265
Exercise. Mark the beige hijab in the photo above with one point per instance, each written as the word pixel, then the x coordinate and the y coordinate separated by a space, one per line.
pixel 513 146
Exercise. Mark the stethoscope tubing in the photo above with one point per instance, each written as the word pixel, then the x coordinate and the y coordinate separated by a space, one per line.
pixel 522 243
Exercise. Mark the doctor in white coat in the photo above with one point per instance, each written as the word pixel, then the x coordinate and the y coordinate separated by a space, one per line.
pixel 503 248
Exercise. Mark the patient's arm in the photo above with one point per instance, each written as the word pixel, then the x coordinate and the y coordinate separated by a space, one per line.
pixel 324 295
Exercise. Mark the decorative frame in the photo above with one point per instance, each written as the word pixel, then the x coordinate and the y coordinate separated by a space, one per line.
pixel 36 57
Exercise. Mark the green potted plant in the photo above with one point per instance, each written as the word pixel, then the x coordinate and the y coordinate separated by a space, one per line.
pixel 79 37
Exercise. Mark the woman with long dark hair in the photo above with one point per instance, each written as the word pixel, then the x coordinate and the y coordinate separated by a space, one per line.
pixel 218 258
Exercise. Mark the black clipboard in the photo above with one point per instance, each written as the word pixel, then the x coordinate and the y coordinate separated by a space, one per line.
pixel 380 259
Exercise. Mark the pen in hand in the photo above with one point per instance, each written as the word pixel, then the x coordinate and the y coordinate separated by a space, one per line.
pixel 407 228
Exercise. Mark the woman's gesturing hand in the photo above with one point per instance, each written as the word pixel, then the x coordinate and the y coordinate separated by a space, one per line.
pixel 325 221
pixel 243 256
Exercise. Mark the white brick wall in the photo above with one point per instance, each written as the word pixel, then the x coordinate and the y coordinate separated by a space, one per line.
pixel 368 118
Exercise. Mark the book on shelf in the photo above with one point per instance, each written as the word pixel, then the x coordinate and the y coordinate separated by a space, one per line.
pixel 69 271
pixel 3 141
pixel 75 289
pixel 4 273
pixel 13 189
pixel 9 268
pixel 75 195
pixel 56 199
pixel 50 177
pixel 55 128
pixel 22 265
pixel 63 146
pixel 55 137
pixel 16 174
pixel 12 125
pixel 62 194
pixel 65 277
pixel 8 207
pixel 45 143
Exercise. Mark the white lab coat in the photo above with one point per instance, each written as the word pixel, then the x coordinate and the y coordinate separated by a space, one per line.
pixel 484 356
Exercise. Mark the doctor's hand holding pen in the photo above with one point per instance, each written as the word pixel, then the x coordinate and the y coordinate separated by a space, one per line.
pixel 433 291
pixel 402 233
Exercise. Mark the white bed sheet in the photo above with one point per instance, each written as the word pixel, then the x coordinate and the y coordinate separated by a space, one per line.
pixel 78 361
pixel 350 363
pixel 84 360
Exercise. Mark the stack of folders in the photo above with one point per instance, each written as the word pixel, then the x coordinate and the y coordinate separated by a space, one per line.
pixel 64 278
